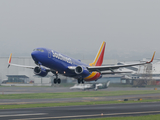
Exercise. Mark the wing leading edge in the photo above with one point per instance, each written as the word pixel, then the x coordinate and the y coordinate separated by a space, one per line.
pixel 111 68
pixel 24 66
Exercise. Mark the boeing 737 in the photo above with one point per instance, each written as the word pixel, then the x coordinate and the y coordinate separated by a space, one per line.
pixel 48 60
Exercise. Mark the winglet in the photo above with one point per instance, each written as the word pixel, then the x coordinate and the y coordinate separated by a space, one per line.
pixel 9 60
pixel 152 58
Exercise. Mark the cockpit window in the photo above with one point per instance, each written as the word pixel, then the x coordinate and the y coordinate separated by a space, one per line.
pixel 38 50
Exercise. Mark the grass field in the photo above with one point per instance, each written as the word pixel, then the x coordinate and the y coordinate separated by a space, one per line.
pixel 75 94
pixel 82 94
pixel 146 117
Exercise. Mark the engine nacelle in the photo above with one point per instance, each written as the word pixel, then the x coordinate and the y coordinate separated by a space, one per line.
pixel 40 71
pixel 81 70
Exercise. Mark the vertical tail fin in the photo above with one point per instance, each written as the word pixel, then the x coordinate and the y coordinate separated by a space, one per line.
pixel 99 57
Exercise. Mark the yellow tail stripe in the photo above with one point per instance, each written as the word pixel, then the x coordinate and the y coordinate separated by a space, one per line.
pixel 91 75
pixel 99 52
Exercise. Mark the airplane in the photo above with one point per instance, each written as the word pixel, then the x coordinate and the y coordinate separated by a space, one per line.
pixel 88 86
pixel 48 60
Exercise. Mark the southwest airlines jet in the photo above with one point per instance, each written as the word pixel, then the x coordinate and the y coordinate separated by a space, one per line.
pixel 48 60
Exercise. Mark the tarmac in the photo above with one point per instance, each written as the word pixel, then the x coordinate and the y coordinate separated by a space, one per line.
pixel 77 112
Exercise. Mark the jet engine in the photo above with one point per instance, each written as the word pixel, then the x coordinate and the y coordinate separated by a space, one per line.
pixel 40 71
pixel 81 70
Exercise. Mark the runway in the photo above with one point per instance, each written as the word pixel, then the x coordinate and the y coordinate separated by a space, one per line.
pixel 74 112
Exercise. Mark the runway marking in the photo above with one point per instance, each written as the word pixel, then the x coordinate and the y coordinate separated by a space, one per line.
pixel 94 115
pixel 22 115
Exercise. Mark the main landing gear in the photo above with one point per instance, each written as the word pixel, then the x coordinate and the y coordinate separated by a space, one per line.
pixel 80 80
pixel 57 80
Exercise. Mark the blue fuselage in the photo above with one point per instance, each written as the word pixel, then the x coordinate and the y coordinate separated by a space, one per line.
pixel 56 61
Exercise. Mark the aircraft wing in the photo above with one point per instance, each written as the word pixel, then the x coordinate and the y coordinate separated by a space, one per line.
pixel 9 63
pixel 104 73
pixel 112 68
pixel 25 66
pixel 31 67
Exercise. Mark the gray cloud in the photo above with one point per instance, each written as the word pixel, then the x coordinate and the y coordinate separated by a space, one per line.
pixel 130 27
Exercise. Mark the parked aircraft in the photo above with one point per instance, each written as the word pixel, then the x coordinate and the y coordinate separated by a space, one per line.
pixel 88 86
pixel 48 60
pixel 83 86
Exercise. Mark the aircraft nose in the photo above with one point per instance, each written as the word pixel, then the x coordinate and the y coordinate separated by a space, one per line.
pixel 33 54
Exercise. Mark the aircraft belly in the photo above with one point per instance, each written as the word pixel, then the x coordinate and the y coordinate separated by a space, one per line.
pixel 60 66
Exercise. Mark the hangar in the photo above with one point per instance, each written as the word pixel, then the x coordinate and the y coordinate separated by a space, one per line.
pixel 16 79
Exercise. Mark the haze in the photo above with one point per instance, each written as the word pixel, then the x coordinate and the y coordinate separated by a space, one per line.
pixel 131 28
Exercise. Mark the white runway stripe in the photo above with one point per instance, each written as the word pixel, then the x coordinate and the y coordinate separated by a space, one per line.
pixel 94 115
pixel 14 115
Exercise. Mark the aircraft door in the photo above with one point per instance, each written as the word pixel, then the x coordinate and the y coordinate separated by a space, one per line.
pixel 49 54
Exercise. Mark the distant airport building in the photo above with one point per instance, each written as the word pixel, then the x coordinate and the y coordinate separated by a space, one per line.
pixel 148 74
pixel 5 71
pixel 17 79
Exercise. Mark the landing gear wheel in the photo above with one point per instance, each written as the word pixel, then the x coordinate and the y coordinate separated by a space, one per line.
pixel 80 81
pixel 59 81
pixel 55 81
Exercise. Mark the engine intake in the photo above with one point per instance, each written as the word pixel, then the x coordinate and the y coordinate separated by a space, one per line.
pixel 40 71
pixel 82 70
pixel 79 70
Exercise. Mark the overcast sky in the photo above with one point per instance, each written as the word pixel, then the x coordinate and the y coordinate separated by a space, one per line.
pixel 131 28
